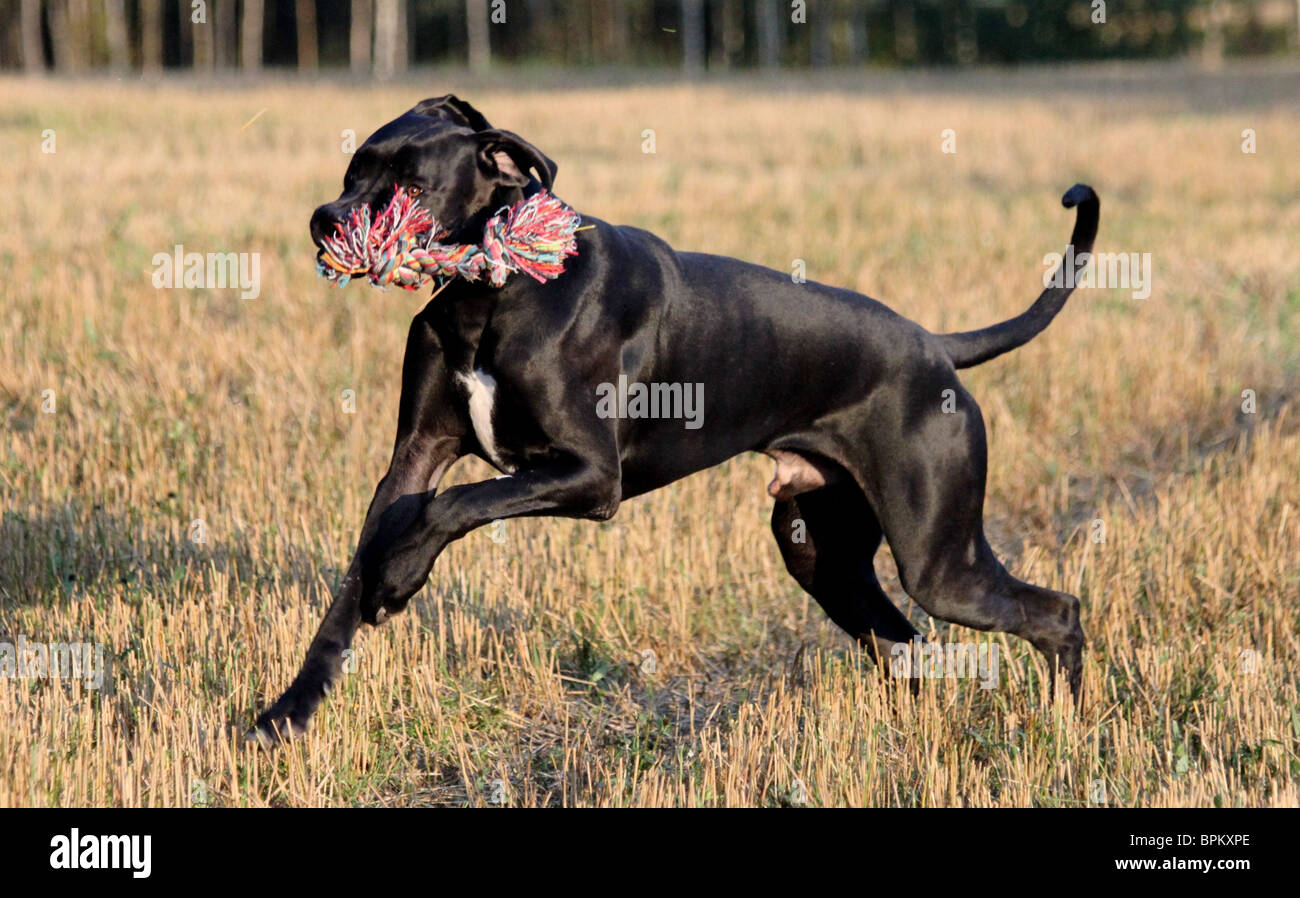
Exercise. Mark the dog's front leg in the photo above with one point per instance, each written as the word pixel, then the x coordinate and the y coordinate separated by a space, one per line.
pixel 394 508
pixel 428 441
pixel 404 534
pixel 577 488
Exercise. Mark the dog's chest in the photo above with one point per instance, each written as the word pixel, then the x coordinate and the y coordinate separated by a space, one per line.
pixel 480 389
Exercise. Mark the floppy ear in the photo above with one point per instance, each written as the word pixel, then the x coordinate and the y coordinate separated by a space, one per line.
pixel 453 109
pixel 508 157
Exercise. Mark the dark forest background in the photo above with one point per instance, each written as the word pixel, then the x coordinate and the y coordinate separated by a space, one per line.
pixel 384 37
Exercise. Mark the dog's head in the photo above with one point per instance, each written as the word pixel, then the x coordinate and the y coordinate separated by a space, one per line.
pixel 444 152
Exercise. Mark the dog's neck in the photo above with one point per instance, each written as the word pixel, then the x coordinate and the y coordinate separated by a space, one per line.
pixel 471 229
pixel 474 301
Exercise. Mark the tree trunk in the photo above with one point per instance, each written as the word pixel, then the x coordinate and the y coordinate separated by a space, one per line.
pixel 820 50
pixel 69 33
pixel 905 38
pixel 363 15
pixel 859 46
pixel 771 33
pixel 201 36
pixel 185 33
pixel 617 27
pixel 250 38
pixel 692 29
pixel 717 50
pixel 539 30
pixel 225 33
pixel 82 41
pixel 151 47
pixel 476 32
pixel 59 34
pixel 403 38
pixel 386 16
pixel 115 36
pixel 30 24
pixel 66 35
pixel 731 33
pixel 305 22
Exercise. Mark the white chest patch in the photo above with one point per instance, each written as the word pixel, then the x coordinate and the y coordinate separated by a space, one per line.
pixel 482 388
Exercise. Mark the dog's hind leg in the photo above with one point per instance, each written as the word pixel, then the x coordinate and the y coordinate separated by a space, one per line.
pixel 929 494
pixel 828 538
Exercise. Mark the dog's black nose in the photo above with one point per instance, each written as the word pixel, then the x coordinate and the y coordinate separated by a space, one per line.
pixel 322 222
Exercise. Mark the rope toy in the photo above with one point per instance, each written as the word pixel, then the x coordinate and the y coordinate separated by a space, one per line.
pixel 400 246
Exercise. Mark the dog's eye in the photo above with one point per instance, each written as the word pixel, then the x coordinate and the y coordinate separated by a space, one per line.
pixel 413 191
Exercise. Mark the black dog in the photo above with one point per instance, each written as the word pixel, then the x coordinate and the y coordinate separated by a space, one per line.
pixel 872 432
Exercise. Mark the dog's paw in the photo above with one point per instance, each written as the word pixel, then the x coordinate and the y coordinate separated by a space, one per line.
pixel 374 614
pixel 271 731
pixel 376 609
pixel 287 718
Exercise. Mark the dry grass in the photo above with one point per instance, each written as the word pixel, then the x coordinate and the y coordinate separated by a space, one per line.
pixel 518 676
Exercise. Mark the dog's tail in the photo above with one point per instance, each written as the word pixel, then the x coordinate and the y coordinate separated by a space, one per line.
pixel 973 347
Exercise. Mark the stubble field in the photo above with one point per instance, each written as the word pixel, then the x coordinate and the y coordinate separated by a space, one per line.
pixel 182 474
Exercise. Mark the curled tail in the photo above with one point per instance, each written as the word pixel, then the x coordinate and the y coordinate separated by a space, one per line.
pixel 973 347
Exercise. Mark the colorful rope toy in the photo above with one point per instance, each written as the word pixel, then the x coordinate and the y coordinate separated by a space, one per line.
pixel 400 246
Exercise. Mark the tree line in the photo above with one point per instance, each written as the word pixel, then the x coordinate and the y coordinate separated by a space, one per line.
pixel 384 37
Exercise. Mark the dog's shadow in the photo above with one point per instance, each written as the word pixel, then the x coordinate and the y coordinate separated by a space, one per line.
pixel 75 551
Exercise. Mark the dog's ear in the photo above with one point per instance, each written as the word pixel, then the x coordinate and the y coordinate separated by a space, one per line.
pixel 507 158
pixel 453 109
